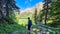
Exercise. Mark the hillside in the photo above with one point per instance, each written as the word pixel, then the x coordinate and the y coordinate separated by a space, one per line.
pixel 28 12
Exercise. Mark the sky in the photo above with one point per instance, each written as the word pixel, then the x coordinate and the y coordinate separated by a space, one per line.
pixel 23 4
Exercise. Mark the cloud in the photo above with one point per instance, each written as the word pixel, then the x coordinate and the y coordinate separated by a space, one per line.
pixel 30 0
pixel 27 1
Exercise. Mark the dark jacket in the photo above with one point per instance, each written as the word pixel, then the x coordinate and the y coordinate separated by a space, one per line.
pixel 29 22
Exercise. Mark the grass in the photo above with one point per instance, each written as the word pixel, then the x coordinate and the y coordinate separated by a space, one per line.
pixel 14 27
pixel 11 28
pixel 20 26
pixel 23 21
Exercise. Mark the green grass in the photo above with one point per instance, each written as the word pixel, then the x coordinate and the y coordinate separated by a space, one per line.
pixel 23 21
pixel 11 28
pixel 14 27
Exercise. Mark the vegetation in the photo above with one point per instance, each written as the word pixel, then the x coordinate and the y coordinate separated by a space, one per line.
pixel 11 20
pixel 7 16
pixel 53 15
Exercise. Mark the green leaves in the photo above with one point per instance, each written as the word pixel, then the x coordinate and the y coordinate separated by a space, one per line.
pixel 53 14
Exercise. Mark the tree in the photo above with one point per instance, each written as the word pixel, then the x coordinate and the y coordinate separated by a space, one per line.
pixel 55 13
pixel 35 16
pixel 47 7
pixel 52 15
pixel 6 9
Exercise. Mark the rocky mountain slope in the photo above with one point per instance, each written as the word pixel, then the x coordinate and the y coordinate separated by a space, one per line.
pixel 29 12
pixel 39 7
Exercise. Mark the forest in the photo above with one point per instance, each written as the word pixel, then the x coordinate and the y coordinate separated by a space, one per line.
pixel 10 16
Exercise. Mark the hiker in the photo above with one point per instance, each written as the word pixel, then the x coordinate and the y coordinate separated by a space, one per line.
pixel 29 24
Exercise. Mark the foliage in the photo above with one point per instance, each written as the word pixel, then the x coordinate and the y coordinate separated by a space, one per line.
pixel 24 17
pixel 53 16
pixel 7 16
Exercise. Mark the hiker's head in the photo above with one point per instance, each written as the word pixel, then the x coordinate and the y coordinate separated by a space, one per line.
pixel 28 18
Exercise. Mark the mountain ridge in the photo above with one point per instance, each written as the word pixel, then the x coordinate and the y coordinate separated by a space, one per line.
pixel 39 7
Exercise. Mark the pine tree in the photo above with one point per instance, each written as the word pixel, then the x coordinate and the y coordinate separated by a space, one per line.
pixel 35 16
pixel 6 9
pixel 47 6
pixel 55 13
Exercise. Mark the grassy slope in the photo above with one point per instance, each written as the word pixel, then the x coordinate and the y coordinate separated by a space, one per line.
pixel 26 15
pixel 5 27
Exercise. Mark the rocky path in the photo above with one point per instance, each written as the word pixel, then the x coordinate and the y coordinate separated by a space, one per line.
pixel 42 29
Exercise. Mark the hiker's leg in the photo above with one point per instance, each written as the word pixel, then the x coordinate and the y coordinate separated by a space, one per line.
pixel 29 29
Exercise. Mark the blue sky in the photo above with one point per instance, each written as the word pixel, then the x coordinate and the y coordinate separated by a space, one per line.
pixel 23 4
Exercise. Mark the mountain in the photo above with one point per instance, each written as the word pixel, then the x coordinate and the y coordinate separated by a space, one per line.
pixel 29 12
pixel 39 7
